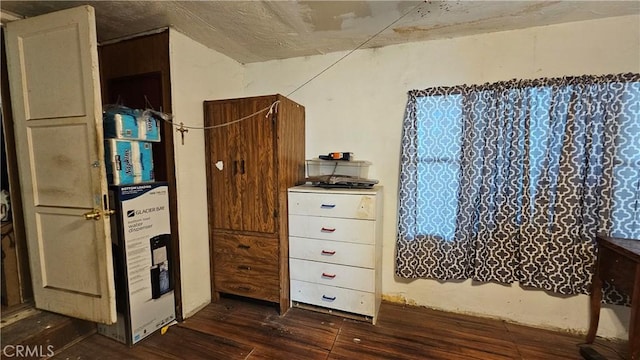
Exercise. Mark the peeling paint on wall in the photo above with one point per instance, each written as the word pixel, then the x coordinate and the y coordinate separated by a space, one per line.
pixel 399 299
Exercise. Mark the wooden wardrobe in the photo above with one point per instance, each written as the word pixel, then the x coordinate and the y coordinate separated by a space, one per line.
pixel 250 165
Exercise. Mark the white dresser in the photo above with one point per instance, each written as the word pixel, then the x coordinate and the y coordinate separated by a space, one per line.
pixel 335 249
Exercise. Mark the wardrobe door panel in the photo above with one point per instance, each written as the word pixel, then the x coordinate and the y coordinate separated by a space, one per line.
pixel 258 167
pixel 225 146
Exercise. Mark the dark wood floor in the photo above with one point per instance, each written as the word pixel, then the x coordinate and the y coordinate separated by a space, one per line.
pixel 234 329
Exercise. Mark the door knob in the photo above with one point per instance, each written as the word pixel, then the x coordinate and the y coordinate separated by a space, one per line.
pixel 94 214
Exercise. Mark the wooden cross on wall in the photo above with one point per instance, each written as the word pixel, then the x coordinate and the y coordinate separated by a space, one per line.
pixel 182 130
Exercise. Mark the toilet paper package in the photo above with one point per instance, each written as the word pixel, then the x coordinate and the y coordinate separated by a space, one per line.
pixel 120 125
pixel 143 161
pixel 120 122
pixel 128 161
pixel 119 161
pixel 148 127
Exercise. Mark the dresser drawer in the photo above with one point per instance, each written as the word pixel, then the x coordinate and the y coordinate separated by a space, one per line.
pixel 349 277
pixel 246 266
pixel 253 283
pixel 334 252
pixel 338 229
pixel 245 276
pixel 354 301
pixel 351 206
pixel 237 264
pixel 262 249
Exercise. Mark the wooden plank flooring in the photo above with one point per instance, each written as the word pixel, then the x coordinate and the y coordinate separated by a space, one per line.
pixel 242 329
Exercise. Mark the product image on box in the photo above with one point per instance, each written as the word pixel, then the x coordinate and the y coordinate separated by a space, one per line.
pixel 160 275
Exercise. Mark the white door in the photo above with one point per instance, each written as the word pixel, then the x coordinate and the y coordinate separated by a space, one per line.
pixel 55 92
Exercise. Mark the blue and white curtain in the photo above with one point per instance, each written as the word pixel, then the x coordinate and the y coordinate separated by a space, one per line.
pixel 511 181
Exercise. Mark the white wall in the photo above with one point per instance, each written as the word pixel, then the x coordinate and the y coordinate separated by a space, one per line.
pixel 197 74
pixel 358 106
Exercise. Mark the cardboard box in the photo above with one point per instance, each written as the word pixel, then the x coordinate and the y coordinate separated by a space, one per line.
pixel 141 237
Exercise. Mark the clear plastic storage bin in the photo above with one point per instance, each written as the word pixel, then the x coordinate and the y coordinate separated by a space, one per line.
pixel 318 167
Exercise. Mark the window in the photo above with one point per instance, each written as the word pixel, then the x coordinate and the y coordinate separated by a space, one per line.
pixel 438 167
pixel 625 193
pixel 511 181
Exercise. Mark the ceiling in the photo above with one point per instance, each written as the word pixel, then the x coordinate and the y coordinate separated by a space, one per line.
pixel 255 31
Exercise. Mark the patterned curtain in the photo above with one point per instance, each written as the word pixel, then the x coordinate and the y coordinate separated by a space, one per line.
pixel 511 181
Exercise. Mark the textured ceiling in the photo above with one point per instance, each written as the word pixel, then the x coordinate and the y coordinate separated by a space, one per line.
pixel 254 31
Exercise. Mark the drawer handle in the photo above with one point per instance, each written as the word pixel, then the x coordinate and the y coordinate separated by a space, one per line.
pixel 243 246
pixel 325 297
pixel 330 276
pixel 244 267
pixel 244 288
pixel 327 206
pixel 324 229
pixel 325 252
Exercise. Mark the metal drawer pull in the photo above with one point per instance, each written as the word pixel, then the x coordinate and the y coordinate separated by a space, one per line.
pixel 324 229
pixel 327 206
pixel 325 252
pixel 243 246
pixel 330 276
pixel 325 297
pixel 244 267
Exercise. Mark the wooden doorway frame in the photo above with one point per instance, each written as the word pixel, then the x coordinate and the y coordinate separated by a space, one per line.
pixel 24 272
pixel 136 58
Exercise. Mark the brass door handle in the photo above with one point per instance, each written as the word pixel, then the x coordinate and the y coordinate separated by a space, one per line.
pixel 96 214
